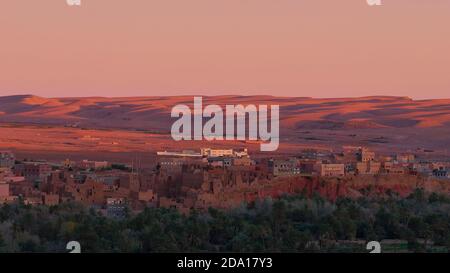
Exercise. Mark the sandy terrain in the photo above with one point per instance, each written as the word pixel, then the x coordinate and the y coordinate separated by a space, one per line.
pixel 59 143
pixel 33 125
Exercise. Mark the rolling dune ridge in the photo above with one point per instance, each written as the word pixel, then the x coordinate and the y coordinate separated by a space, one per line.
pixel 383 122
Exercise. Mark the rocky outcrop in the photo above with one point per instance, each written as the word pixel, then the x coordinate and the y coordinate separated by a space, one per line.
pixel 329 188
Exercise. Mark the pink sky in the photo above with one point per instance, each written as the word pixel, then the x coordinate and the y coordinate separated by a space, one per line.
pixel 317 48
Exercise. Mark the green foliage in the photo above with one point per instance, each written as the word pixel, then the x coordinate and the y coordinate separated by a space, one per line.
pixel 119 167
pixel 289 224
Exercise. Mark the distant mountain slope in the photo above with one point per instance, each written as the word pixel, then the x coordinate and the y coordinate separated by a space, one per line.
pixel 153 113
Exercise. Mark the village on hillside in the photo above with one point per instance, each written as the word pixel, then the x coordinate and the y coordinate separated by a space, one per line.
pixel 185 180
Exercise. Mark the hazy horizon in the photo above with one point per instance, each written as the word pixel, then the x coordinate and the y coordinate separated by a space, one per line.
pixel 223 95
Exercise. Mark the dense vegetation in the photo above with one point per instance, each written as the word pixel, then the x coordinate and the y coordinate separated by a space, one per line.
pixel 290 224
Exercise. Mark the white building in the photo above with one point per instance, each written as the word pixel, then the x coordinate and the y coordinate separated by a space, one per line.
pixel 216 152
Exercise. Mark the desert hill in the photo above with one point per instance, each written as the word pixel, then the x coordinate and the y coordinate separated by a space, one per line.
pixel 296 113
pixel 380 121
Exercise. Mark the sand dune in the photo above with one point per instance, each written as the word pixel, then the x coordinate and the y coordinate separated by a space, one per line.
pixel 379 121
pixel 153 113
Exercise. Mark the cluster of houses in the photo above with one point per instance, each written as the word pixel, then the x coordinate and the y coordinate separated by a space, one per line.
pixel 358 161
pixel 187 179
